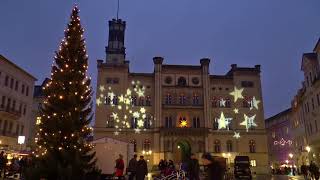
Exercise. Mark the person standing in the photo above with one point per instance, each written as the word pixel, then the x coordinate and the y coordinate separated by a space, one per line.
pixel 132 168
pixel 304 171
pixel 214 170
pixel 2 163
pixel 119 166
pixel 194 168
pixel 142 169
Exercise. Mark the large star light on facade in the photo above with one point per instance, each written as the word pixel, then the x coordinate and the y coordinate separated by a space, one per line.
pixel 236 135
pixel 223 122
pixel 222 103
pixel 140 123
pixel 101 88
pixel 98 101
pixel 254 103
pixel 237 94
pixel 137 130
pixel 183 123
pixel 249 122
pixel 236 111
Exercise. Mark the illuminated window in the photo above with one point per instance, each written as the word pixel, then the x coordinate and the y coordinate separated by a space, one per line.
pixel 229 146
pixel 253 163
pixel 147 145
pixel 252 146
pixel 217 146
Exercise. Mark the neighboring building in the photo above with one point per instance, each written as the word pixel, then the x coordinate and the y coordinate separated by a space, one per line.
pixel 280 142
pixel 307 104
pixel 38 98
pixel 186 107
pixel 16 89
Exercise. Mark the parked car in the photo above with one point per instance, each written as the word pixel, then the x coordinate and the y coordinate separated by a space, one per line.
pixel 242 168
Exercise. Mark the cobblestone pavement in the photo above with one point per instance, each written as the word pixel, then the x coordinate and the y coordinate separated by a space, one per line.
pixel 277 177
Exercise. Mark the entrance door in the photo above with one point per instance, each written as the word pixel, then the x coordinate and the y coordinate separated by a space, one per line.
pixel 182 151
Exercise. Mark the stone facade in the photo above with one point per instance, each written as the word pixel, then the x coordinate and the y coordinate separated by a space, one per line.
pixel 306 105
pixel 280 139
pixel 183 104
pixel 16 90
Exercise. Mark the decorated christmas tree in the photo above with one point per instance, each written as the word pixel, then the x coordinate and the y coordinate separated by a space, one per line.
pixel 63 150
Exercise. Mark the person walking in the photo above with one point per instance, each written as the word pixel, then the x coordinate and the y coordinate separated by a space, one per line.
pixel 132 168
pixel 304 171
pixel 214 170
pixel 194 168
pixel 142 169
pixel 119 167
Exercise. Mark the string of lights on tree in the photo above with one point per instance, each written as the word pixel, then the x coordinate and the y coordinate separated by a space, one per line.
pixel 123 108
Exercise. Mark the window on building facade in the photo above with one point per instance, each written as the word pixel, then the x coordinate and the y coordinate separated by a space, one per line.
pixel 27 91
pixel 115 100
pixel 17 129
pixel 141 101
pixel 24 109
pixel 14 105
pixel 3 101
pixel 196 122
pixel 148 101
pixel 115 81
pixel 316 125
pixel 168 122
pixel 246 102
pixel 22 89
pixel 6 81
pixel 133 100
pixel 21 130
pixel 8 104
pixel 252 146
pixel 147 145
pixel 134 142
pixel 10 127
pixel 229 146
pixel 182 81
pixel 215 102
pixel 247 84
pixel 216 124
pixel 182 99
pixel 11 83
pixel 312 103
pixel 195 99
pixel 168 99
pixel 109 80
pixel 217 146
pixel 147 122
pixel 318 99
pixel 16 86
pixel 134 123
pixel 228 103
pixel 253 163
pixel 107 100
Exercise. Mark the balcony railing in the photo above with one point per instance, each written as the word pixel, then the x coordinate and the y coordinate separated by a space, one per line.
pixel 9 112
pixel 182 104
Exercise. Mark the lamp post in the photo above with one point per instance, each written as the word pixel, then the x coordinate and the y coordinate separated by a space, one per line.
pixel 308 149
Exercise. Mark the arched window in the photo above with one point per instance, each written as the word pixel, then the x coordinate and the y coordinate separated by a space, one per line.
pixel 217 146
pixel 246 103
pixel 134 142
pixel 168 99
pixel 148 101
pixel 182 81
pixel 115 100
pixel 141 101
pixel 229 146
pixel 147 145
pixel 252 146
pixel 134 100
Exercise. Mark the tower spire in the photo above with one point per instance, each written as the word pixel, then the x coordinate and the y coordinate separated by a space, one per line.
pixel 118 10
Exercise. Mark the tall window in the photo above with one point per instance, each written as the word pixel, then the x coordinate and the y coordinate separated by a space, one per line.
pixel 6 81
pixel 108 100
pixel 141 101
pixel 195 99
pixel 217 146
pixel 110 122
pixel 14 105
pixel 115 100
pixel 134 100
pixel 228 103
pixel 134 123
pixel 3 101
pixel 229 146
pixel 196 122
pixel 168 99
pixel 252 146
pixel 134 142
pixel 27 91
pixel 148 101
pixel 147 145
pixel 11 83
pixel 168 122
pixel 22 89
pixel 182 99
pixel 246 102
pixel 147 122
pixel 215 102
pixel 16 86
pixel 216 124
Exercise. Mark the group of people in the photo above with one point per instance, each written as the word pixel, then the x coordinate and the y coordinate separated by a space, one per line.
pixel 16 166
pixel 312 170
pixel 166 168
pixel 137 169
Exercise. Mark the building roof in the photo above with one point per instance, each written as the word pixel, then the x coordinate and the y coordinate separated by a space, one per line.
pixel 181 66
pixel 285 112
pixel 317 45
pixel 38 92
pixel 16 66
pixel 311 56
pixel 221 77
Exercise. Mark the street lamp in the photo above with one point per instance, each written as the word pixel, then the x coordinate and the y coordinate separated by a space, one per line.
pixel 290 155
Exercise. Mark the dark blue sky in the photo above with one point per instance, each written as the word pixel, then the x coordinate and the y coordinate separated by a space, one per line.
pixel 273 33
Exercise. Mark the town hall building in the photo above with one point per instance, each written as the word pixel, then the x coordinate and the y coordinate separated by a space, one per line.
pixel 180 109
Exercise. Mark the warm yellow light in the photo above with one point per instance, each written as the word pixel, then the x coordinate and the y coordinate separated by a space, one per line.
pixel 183 123
pixel 60 97
pixel 38 121
pixel 308 148
pixel 290 155
pixel 143 152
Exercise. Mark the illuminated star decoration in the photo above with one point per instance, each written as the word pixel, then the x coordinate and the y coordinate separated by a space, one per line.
pixel 116 133
pixel 137 131
pixel 223 121
pixel 249 122
pixel 183 123
pixel 124 108
pixel 236 135
pixel 254 103
pixel 222 102
pixel 237 94
pixel 236 111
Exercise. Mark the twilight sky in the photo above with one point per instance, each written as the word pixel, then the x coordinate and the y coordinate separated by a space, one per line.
pixel 273 33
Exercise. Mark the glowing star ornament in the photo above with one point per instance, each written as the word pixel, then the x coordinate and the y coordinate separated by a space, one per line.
pixel 236 111
pixel 237 94
pixel 236 135
pixel 222 103
pixel 140 92
pixel 183 123
pixel 121 98
pixel 101 88
pixel 223 121
pixel 115 115
pixel 140 123
pixel 136 114
pixel 142 110
pixel 249 122
pixel 98 101
pixel 137 131
pixel 254 103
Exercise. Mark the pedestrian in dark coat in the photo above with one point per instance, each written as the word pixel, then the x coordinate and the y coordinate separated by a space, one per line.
pixel 142 169
pixel 214 170
pixel 194 168
pixel 132 168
